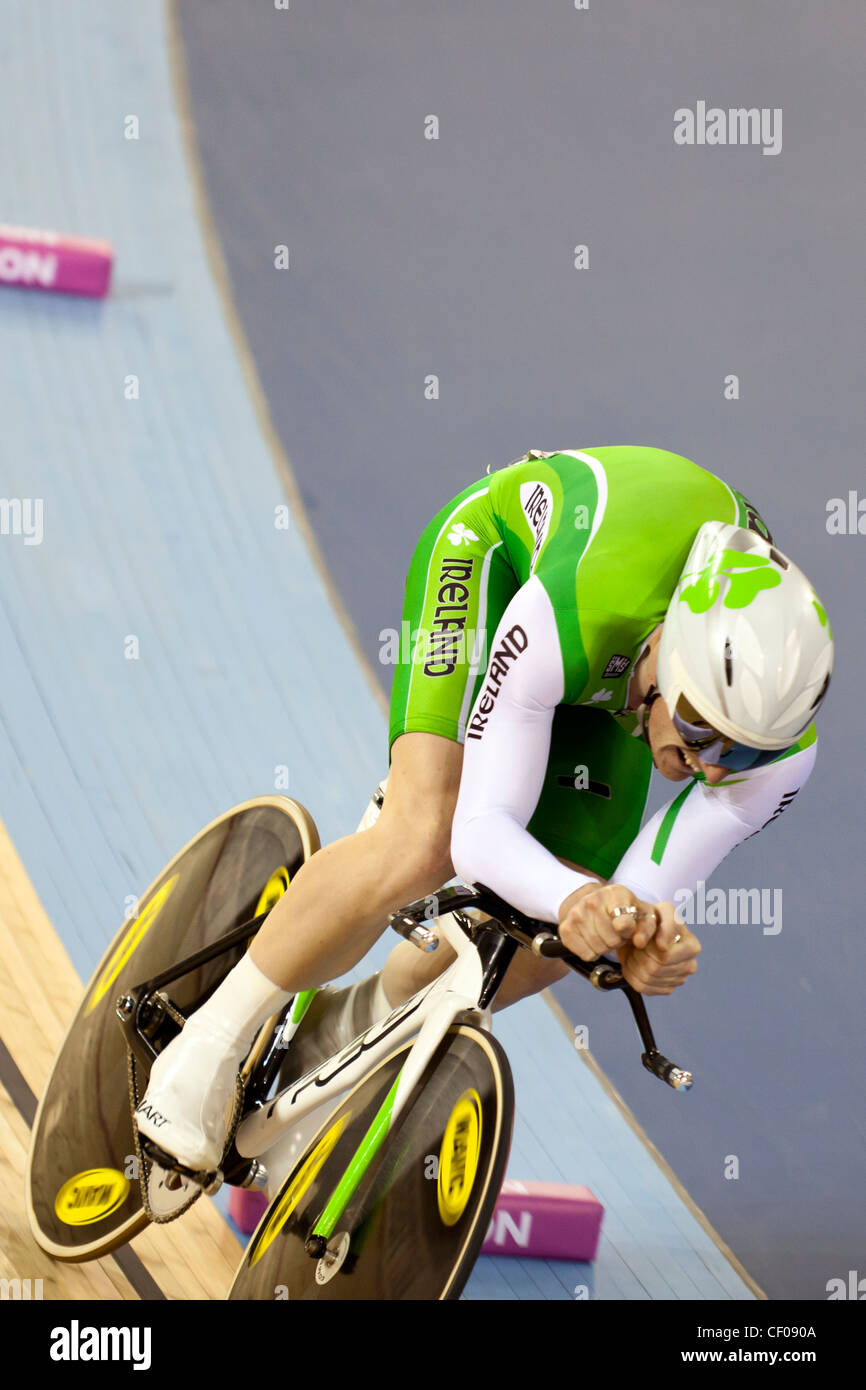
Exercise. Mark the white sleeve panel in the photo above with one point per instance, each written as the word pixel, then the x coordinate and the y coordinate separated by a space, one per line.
pixel 505 759
pixel 666 860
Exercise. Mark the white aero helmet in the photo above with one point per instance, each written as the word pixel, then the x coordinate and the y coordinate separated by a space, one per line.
pixel 745 643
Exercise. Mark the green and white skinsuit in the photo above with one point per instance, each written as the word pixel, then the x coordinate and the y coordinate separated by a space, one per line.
pixel 529 600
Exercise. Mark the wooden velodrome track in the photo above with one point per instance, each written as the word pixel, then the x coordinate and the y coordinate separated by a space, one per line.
pixel 193 1258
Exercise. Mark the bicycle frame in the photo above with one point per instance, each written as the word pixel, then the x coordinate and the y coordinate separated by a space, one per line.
pixel 465 988
pixel 429 1013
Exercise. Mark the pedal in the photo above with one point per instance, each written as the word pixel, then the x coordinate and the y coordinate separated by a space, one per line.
pixel 206 1180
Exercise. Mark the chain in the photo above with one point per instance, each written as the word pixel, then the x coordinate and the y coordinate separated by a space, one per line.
pixel 169 1008
pixel 144 1166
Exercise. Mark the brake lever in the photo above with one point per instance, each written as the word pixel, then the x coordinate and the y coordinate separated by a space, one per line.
pixel 602 974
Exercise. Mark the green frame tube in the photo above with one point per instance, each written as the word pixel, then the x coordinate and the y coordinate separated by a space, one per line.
pixel 357 1166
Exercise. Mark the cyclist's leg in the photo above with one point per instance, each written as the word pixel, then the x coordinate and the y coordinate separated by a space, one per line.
pixel 339 901
pixel 338 904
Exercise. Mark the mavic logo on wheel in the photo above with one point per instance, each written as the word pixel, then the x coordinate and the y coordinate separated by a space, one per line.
pixel 91 1196
pixel 746 574
pixel 458 1157
pixel 273 890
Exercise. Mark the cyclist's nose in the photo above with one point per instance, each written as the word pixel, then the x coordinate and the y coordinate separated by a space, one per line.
pixel 714 772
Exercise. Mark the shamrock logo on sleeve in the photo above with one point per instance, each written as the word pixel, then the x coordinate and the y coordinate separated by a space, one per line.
pixel 461 534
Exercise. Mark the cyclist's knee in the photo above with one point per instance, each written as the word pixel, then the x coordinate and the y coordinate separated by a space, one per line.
pixel 418 854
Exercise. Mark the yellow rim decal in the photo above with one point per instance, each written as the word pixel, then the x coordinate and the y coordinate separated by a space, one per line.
pixel 131 940
pixel 302 1180
pixel 272 891
pixel 91 1196
pixel 458 1157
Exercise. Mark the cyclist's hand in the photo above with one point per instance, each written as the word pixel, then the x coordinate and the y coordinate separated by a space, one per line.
pixel 653 969
pixel 589 924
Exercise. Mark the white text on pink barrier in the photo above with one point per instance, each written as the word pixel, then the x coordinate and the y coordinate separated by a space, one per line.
pixel 545 1220
pixel 44 260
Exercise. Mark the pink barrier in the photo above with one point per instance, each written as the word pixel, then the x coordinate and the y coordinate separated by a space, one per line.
pixel 545 1220
pixel 31 259
pixel 246 1209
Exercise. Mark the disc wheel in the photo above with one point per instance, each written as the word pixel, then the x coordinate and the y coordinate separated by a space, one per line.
pixel 83 1195
pixel 415 1227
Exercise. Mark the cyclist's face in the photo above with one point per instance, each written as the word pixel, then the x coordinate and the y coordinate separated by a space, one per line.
pixel 670 754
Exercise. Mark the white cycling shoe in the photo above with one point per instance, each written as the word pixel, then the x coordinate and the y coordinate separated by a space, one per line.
pixel 190 1100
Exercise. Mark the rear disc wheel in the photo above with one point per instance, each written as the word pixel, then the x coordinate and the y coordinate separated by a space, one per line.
pixel 83 1194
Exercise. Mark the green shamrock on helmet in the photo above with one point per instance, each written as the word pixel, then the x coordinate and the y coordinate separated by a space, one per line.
pixel 822 614
pixel 747 575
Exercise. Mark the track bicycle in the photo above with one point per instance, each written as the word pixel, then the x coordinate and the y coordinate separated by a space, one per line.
pixel 383 1163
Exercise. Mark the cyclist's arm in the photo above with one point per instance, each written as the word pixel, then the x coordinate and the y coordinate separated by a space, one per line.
pixel 687 840
pixel 505 759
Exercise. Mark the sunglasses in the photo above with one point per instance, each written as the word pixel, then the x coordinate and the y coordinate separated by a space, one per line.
pixel 713 747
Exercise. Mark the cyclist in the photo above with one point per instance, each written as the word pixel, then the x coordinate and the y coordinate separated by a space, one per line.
pixel 578 617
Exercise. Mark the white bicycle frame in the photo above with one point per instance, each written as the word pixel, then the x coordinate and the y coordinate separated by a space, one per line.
pixel 429 1013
